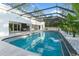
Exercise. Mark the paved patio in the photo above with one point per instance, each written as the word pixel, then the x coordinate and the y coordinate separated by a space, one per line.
pixel 7 49
pixel 10 50
pixel 74 41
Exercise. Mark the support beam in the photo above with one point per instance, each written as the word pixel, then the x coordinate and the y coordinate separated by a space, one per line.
pixel 66 9
pixel 16 6
pixel 20 26
pixel 50 8
pixel 40 10
pixel 51 14
pixel 13 26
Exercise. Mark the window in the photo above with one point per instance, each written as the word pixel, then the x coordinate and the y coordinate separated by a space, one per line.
pixel 10 27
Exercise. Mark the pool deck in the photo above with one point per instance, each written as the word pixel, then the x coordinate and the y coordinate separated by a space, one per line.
pixel 74 41
pixel 18 34
pixel 7 49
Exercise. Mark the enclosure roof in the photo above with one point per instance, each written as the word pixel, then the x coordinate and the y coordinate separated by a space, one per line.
pixel 40 10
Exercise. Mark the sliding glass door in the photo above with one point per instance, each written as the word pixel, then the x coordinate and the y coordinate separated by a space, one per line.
pixel 18 27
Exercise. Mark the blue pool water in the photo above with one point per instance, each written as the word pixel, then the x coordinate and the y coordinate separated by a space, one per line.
pixel 46 43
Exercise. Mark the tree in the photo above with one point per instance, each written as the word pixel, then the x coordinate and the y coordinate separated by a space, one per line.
pixel 75 7
pixel 70 25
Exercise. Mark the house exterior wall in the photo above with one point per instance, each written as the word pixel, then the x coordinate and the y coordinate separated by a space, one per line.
pixel 4 30
pixel 41 24
pixel 8 16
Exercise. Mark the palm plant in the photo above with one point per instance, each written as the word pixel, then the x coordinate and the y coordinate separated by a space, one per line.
pixel 71 24
pixel 72 21
pixel 75 7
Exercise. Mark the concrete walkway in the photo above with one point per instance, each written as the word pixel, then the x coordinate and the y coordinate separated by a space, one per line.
pixel 74 41
pixel 7 49
pixel 18 34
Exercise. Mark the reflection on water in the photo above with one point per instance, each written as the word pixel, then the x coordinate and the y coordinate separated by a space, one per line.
pixel 23 36
pixel 39 39
pixel 40 50
pixel 55 40
pixel 49 47
pixel 44 43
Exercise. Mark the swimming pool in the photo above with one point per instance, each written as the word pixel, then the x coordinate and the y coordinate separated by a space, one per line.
pixel 47 43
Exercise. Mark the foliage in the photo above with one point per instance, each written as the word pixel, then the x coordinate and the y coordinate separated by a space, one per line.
pixel 75 7
pixel 70 24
